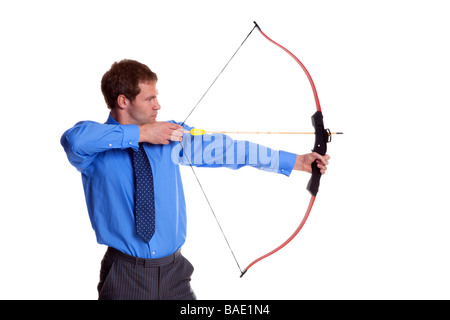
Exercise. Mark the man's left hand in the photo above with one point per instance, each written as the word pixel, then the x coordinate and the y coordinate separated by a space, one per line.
pixel 303 162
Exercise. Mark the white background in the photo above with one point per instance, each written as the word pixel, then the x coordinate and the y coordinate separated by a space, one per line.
pixel 380 225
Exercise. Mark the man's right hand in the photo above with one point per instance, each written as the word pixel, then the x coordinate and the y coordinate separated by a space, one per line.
pixel 160 132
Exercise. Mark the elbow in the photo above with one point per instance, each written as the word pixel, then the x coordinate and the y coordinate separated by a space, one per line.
pixel 71 142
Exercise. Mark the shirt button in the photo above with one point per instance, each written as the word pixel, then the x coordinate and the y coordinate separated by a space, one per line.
pixel 110 145
pixel 153 252
pixel 130 142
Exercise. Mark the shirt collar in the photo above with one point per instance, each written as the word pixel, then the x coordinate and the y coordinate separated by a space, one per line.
pixel 111 120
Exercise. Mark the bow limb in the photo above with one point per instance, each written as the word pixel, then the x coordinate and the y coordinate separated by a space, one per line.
pixel 313 86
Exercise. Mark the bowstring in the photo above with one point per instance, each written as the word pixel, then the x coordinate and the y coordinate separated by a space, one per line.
pixel 189 161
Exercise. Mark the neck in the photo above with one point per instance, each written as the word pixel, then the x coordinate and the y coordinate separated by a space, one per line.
pixel 120 117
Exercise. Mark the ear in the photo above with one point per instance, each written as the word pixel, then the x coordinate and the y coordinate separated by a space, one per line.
pixel 122 101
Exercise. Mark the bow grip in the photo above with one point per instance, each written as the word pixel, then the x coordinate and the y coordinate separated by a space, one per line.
pixel 320 146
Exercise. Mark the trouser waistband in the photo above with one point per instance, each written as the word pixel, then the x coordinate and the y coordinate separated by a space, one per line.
pixel 144 262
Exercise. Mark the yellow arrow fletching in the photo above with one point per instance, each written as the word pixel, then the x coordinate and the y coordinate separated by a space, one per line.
pixel 197 132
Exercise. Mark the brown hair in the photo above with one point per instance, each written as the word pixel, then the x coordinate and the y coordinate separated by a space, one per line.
pixel 124 78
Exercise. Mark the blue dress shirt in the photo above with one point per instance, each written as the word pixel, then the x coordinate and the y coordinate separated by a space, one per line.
pixel 101 153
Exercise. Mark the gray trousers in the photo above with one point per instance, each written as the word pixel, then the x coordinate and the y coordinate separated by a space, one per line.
pixel 124 277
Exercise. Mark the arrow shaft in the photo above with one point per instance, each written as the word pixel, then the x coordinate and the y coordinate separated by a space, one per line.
pixel 258 132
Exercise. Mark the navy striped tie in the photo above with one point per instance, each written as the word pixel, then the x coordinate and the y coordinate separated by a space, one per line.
pixel 145 199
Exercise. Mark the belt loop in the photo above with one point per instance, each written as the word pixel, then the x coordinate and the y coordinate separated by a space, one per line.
pixel 136 261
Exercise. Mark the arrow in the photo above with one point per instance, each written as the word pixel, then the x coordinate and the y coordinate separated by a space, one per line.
pixel 199 132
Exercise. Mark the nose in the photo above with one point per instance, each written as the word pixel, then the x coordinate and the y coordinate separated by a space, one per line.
pixel 156 105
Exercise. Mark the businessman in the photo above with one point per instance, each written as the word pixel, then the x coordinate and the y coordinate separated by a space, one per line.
pixel 133 188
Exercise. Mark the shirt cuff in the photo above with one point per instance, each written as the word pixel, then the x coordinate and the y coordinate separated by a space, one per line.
pixel 286 162
pixel 130 136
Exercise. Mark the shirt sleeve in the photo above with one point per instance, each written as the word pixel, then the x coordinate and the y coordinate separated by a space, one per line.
pixel 287 162
pixel 86 139
pixel 219 150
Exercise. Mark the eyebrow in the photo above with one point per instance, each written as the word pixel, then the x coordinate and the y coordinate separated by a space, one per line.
pixel 152 96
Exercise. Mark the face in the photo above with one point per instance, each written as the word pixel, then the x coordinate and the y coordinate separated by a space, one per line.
pixel 144 108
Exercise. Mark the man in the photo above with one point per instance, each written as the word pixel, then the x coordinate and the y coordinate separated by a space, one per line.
pixel 133 189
